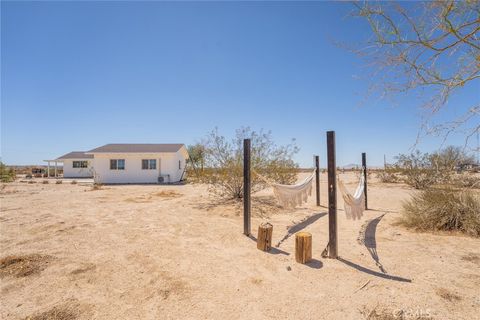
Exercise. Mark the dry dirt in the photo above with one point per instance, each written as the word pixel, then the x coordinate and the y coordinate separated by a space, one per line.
pixel 174 252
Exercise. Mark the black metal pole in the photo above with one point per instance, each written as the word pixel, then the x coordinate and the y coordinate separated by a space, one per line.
pixel 246 187
pixel 317 176
pixel 332 196
pixel 364 165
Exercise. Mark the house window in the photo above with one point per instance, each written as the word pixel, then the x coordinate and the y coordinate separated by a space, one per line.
pixel 179 164
pixel 117 164
pixel 149 164
pixel 80 164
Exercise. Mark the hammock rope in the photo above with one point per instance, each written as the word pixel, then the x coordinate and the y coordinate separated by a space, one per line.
pixel 290 196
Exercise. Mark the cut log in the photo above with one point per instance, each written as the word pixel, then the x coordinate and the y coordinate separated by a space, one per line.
pixel 264 239
pixel 303 247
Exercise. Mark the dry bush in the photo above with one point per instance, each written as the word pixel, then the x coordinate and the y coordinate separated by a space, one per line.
pixel 387 176
pixel 45 182
pixel 58 182
pixel 74 181
pixel 466 180
pixel 417 171
pixel 23 266
pixel 96 186
pixel 225 162
pixel 443 209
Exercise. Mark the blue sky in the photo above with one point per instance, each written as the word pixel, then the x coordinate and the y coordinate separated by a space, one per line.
pixel 75 76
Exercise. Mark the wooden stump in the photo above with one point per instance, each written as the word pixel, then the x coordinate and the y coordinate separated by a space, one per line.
pixel 264 239
pixel 303 247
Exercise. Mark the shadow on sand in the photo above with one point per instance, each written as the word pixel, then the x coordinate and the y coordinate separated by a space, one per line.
pixel 301 225
pixel 373 273
pixel 367 238
pixel 314 264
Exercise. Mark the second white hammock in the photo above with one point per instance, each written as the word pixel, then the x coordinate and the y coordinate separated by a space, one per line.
pixel 354 205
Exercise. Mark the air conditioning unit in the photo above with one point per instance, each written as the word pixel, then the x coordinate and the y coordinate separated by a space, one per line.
pixel 164 178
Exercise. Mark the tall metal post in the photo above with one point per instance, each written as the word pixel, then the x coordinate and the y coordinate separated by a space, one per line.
pixel 317 179
pixel 246 187
pixel 332 196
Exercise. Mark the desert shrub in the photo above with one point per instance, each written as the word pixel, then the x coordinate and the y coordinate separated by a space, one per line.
pixel 224 160
pixel 451 157
pixel 59 182
pixel 387 176
pixel 466 180
pixel 422 170
pixel 45 181
pixel 97 186
pixel 74 181
pixel 6 174
pixel 417 170
pixel 443 209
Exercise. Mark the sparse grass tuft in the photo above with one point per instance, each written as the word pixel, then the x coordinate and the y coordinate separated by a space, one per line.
pixel 448 295
pixel 443 209
pixel 97 186
pixel 70 310
pixel 23 266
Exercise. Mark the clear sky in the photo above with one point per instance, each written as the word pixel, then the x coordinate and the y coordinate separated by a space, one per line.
pixel 75 76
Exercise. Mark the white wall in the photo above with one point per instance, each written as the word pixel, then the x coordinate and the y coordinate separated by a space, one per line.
pixel 70 172
pixel 167 163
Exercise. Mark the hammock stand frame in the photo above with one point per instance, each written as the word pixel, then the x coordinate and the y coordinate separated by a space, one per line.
pixel 331 251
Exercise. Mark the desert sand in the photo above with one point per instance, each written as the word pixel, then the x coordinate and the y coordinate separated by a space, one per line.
pixel 175 252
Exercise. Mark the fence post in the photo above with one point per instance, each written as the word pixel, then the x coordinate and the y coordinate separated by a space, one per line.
pixel 332 196
pixel 246 187
pixel 317 176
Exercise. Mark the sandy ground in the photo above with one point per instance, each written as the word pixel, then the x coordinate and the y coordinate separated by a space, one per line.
pixel 174 252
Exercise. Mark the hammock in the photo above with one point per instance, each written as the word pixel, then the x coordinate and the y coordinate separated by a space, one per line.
pixel 290 196
pixel 354 205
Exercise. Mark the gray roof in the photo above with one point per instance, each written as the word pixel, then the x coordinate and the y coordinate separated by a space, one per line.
pixel 75 155
pixel 138 148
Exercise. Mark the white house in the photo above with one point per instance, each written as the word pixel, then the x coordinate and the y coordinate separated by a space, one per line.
pixel 139 163
pixel 128 163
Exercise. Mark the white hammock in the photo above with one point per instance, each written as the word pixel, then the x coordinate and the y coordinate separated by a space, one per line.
pixel 290 196
pixel 354 205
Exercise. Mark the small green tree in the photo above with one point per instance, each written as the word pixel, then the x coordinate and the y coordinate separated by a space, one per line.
pixel 6 174
pixel 196 158
pixel 225 162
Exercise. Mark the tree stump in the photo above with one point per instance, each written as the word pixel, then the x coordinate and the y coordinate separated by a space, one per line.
pixel 264 239
pixel 303 247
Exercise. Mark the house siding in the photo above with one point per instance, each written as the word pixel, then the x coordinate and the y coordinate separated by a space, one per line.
pixel 167 164
pixel 70 172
